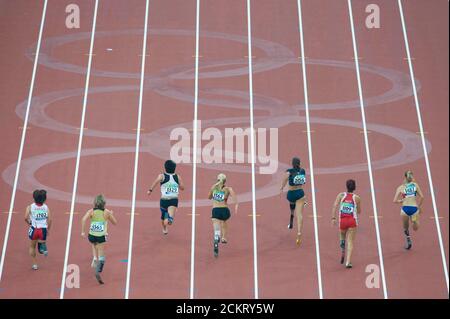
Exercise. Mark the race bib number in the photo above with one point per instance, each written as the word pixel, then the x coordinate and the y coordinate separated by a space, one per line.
pixel 40 216
pixel 410 190
pixel 97 227
pixel 171 189
pixel 219 196
pixel 347 208
pixel 299 179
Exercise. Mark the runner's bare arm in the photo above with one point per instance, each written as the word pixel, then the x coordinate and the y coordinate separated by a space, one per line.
pixel 157 180
pixel 210 192
pixel 110 217
pixel 358 204
pixel 235 199
pixel 334 209
pixel 284 181
pixel 397 194
pixel 84 220
pixel 420 199
pixel 49 220
pixel 27 215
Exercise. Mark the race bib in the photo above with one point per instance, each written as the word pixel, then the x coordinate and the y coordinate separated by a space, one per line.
pixel 219 196
pixel 347 208
pixel 171 189
pixel 299 179
pixel 97 227
pixel 410 190
pixel 40 216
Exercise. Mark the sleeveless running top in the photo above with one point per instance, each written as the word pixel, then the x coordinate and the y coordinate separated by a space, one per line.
pixel 169 186
pixel 99 224
pixel 348 205
pixel 39 215
pixel 410 190
pixel 297 177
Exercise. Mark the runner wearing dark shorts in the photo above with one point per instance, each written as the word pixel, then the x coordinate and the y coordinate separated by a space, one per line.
pixel 219 193
pixel 98 232
pixel 296 176
pixel 170 184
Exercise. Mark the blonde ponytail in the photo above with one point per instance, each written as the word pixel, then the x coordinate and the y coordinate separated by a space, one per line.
pixel 221 179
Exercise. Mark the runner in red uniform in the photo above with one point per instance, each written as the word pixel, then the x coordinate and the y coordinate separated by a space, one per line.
pixel 349 206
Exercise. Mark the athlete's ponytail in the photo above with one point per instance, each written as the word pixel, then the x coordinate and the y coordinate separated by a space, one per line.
pixel 221 179
pixel 409 177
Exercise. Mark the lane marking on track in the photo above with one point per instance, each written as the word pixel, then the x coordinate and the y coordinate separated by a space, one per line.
pixel 194 162
pixel 90 54
pixel 362 132
pixel 199 56
pixel 424 146
pixel 22 141
pixel 366 142
pixel 312 216
pixel 75 213
pixel 305 131
pixel 136 155
pixel 140 129
pixel 372 216
pixel 135 213
pixel 409 59
pixel 27 128
pixel 421 133
pixel 190 214
pixel 77 165
pixel 439 217
pixel 310 154
pixel 251 215
pixel 252 147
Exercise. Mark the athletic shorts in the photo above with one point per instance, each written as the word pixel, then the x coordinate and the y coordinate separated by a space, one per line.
pixel 347 222
pixel 37 233
pixel 293 196
pixel 164 204
pixel 96 239
pixel 221 213
pixel 410 210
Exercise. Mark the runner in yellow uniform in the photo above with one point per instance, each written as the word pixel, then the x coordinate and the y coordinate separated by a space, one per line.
pixel 98 232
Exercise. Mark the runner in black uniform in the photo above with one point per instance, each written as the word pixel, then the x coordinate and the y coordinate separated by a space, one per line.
pixel 170 184
pixel 295 195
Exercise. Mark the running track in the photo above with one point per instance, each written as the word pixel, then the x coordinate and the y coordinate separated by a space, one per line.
pixel 162 267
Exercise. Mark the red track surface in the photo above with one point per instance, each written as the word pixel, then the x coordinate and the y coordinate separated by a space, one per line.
pixel 161 265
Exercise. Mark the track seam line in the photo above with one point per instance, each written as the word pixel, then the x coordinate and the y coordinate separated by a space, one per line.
pixel 252 148
pixel 422 136
pixel 313 195
pixel 194 156
pixel 366 142
pixel 22 141
pixel 80 142
pixel 136 158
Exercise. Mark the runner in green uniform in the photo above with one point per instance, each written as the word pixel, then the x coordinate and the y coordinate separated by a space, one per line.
pixel 98 232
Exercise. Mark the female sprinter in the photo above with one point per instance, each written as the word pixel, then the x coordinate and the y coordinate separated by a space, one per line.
pixel 98 231
pixel 406 195
pixel 349 205
pixel 37 216
pixel 295 195
pixel 220 193
pixel 171 184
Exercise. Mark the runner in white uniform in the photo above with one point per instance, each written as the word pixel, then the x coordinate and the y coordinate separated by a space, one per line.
pixel 171 184
pixel 38 218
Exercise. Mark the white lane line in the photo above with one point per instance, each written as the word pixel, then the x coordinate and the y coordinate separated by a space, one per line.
pixel 194 164
pixel 313 187
pixel 22 142
pixel 77 165
pixel 252 148
pixel 424 146
pixel 136 156
pixel 366 140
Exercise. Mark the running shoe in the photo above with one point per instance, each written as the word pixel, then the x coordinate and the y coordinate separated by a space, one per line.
pixel 298 241
pixel 99 279
pixel 408 243
pixel 35 267
pixel 349 265
pixel 216 247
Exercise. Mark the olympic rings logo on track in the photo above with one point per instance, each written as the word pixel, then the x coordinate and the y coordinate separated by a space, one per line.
pixel 157 143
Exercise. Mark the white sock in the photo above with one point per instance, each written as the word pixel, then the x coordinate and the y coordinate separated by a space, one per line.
pixel 217 234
